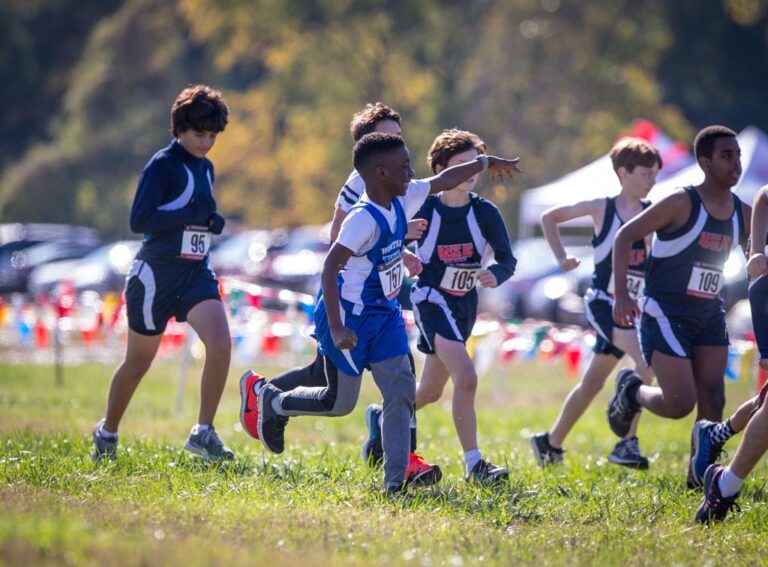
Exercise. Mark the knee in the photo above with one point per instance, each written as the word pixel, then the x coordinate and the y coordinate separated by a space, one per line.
pixel 430 395
pixel 682 407
pixel 219 346
pixel 466 381
pixel 342 407
pixel 135 368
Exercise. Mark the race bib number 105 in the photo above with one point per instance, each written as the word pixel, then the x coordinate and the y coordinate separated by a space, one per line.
pixel 195 242
pixel 458 280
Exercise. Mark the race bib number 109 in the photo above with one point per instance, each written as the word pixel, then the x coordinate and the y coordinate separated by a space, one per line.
pixel 705 282
pixel 195 243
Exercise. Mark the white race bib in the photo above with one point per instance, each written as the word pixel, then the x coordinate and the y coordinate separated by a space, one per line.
pixel 458 280
pixel 391 276
pixel 195 242
pixel 635 284
pixel 706 282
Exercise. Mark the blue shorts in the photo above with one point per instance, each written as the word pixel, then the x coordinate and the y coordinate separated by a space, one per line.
pixel 156 291
pixel 598 308
pixel 380 335
pixel 675 329
pixel 758 302
pixel 438 314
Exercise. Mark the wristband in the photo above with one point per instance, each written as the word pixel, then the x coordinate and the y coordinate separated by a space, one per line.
pixel 483 159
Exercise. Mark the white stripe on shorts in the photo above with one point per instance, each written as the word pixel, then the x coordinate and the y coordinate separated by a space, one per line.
pixel 653 309
pixel 423 294
pixel 141 270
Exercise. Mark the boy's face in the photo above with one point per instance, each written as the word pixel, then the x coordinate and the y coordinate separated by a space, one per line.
pixel 464 157
pixel 394 171
pixel 725 165
pixel 388 127
pixel 640 181
pixel 197 143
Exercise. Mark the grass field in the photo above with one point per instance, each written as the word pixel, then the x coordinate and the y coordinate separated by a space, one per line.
pixel 318 504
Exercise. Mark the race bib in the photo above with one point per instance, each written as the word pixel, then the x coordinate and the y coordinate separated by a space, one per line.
pixel 195 242
pixel 391 276
pixel 705 282
pixel 635 284
pixel 458 280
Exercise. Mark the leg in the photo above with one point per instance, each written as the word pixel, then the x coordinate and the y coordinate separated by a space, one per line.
pixel 335 398
pixel 675 397
pixel 311 376
pixel 709 364
pixel 397 385
pixel 209 321
pixel 139 355
pixel 434 377
pixel 579 398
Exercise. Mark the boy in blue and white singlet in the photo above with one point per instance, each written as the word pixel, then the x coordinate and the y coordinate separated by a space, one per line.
pixel 358 320
pixel 444 298
pixel 175 209
pixel 636 164
pixel 682 328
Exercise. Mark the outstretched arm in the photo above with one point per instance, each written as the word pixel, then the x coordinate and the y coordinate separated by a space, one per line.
pixel 458 174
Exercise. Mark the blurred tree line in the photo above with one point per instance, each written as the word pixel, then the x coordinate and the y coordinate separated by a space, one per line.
pixel 88 87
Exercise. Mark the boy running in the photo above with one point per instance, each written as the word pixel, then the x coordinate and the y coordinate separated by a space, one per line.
pixel 682 329
pixel 358 320
pixel 636 164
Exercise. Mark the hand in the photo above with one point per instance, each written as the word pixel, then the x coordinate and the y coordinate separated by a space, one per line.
pixel 625 310
pixel 216 223
pixel 344 338
pixel 756 266
pixel 497 167
pixel 568 263
pixel 412 263
pixel 416 228
pixel 486 278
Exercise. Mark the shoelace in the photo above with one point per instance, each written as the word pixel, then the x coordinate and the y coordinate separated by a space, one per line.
pixel 211 440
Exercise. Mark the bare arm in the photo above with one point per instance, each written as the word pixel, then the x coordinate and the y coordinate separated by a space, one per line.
pixel 551 218
pixel 338 255
pixel 656 217
pixel 458 174
pixel 338 217
pixel 757 264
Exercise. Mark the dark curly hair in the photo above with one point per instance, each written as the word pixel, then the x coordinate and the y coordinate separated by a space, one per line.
pixel 199 108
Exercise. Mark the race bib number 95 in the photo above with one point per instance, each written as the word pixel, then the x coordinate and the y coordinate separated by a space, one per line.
pixel 705 282
pixel 391 277
pixel 195 243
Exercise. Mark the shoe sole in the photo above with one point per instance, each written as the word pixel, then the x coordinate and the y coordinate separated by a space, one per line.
pixel 244 401
pixel 202 453
pixel 699 481
pixel 427 478
pixel 367 443
pixel 639 465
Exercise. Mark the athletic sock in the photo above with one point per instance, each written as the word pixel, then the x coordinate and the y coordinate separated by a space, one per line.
pixel 721 432
pixel 632 395
pixel 257 386
pixel 472 458
pixel 200 428
pixel 729 483
pixel 276 406
pixel 107 434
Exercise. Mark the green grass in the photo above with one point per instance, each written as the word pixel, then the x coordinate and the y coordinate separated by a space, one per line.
pixel 317 504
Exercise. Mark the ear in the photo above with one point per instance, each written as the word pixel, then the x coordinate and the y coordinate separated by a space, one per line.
pixel 439 168
pixel 380 172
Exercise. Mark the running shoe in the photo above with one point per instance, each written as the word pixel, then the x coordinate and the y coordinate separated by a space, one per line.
pixel 209 446
pixel 715 506
pixel 420 472
pixel 271 426
pixel 705 450
pixel 249 402
pixel 103 447
pixel 622 410
pixel 485 472
pixel 545 453
pixel 627 454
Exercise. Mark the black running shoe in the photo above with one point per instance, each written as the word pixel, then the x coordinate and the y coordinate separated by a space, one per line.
pixel 715 506
pixel 545 453
pixel 622 410
pixel 271 425
pixel 485 472
pixel 627 454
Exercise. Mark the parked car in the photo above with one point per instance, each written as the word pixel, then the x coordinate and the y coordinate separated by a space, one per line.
pixel 243 255
pixel 103 270
pixel 295 258
pixel 26 247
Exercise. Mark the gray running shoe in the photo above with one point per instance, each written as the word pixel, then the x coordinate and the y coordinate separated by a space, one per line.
pixel 622 410
pixel 209 446
pixel 485 472
pixel 627 454
pixel 271 426
pixel 545 453
pixel 103 447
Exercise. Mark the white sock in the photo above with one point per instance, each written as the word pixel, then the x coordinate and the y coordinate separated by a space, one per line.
pixel 107 434
pixel 257 386
pixel 276 407
pixel 200 428
pixel 472 458
pixel 729 483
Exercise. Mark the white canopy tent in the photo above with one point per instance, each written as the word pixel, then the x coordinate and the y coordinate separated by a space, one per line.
pixel 754 164
pixel 596 179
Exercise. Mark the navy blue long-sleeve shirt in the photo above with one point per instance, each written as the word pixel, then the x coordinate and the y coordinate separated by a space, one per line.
pixel 174 191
